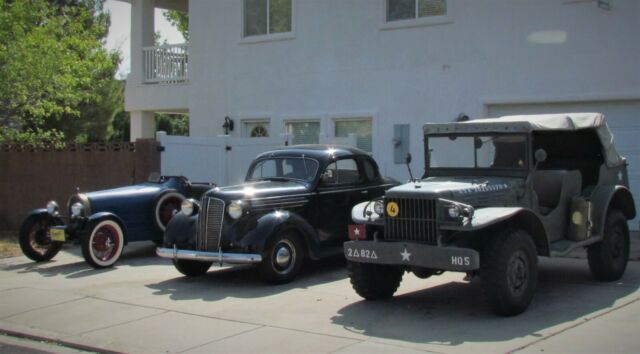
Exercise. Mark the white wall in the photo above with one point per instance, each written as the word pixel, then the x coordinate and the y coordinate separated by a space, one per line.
pixel 341 62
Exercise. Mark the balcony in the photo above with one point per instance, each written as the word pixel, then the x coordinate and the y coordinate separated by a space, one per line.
pixel 166 64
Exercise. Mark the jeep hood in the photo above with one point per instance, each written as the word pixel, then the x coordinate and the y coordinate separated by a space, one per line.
pixel 474 191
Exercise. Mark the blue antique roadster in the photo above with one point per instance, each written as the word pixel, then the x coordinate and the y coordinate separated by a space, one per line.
pixel 104 221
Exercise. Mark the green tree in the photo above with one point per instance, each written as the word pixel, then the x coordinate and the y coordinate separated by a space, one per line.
pixel 180 20
pixel 56 79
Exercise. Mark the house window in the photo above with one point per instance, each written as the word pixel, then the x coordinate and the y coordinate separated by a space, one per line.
pixel 361 127
pixel 263 17
pixel 303 132
pixel 397 10
pixel 255 128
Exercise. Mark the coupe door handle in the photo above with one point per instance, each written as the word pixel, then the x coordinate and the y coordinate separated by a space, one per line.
pixel 364 192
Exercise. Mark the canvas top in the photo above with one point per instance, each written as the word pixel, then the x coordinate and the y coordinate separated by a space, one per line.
pixel 537 122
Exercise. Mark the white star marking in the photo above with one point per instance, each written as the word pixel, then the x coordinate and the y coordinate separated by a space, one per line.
pixel 405 255
pixel 356 232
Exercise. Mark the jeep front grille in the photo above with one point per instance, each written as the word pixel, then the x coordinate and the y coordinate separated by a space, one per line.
pixel 416 221
pixel 210 228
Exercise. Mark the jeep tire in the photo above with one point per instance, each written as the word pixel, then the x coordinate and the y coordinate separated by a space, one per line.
pixel 191 268
pixel 509 271
pixel 374 281
pixel 608 259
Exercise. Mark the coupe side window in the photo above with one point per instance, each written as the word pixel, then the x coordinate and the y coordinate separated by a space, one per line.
pixel 341 172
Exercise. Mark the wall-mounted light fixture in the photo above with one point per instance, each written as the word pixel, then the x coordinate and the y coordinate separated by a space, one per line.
pixel 228 125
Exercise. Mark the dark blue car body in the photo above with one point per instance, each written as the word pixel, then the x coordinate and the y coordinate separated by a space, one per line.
pixel 106 220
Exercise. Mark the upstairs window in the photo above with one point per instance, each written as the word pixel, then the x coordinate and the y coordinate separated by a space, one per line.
pixel 265 17
pixel 414 9
pixel 361 127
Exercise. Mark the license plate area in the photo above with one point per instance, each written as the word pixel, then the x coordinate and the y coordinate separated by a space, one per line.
pixel 58 234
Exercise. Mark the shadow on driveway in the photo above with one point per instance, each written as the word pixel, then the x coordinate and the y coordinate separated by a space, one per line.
pixel 134 255
pixel 245 282
pixel 455 313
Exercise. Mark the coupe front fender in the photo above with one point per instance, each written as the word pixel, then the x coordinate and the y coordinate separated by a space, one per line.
pixel 268 225
pixel 181 231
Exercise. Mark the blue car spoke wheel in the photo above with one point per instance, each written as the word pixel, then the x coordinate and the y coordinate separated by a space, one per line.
pixel 167 205
pixel 35 240
pixel 102 246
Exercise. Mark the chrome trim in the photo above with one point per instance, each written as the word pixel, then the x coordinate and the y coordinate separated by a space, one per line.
pixel 229 258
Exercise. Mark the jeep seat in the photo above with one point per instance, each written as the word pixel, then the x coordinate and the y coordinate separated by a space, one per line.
pixel 555 189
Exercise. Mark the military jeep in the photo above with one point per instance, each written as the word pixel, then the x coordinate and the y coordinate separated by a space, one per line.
pixel 495 195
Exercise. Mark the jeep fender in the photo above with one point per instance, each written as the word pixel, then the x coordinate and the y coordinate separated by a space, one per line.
pixel 270 224
pixel 606 197
pixel 523 218
pixel 97 217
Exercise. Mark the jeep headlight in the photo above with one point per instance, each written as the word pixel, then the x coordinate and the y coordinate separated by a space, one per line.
pixel 52 207
pixel 455 211
pixel 77 209
pixel 235 209
pixel 189 207
pixel 378 207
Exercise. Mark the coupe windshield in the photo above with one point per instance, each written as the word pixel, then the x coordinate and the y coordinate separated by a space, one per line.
pixel 499 151
pixel 294 168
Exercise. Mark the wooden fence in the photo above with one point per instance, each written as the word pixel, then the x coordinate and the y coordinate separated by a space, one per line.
pixel 29 176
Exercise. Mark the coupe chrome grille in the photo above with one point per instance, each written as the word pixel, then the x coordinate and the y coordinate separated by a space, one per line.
pixel 416 221
pixel 211 217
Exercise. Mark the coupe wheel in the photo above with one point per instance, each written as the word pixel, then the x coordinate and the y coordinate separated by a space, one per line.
pixel 102 246
pixel 191 268
pixel 282 259
pixel 608 259
pixel 509 272
pixel 35 240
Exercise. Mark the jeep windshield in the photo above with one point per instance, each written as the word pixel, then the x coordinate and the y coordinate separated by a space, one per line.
pixel 479 151
pixel 283 168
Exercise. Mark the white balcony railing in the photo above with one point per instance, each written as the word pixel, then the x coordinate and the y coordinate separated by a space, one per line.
pixel 166 64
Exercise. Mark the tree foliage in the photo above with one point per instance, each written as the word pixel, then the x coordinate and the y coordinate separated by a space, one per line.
pixel 180 20
pixel 56 79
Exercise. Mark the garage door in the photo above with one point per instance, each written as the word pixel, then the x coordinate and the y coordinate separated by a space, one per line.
pixel 623 118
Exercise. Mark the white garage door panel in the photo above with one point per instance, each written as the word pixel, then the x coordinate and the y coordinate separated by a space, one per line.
pixel 623 118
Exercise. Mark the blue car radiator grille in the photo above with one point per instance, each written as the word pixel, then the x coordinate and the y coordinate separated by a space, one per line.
pixel 416 221
pixel 210 228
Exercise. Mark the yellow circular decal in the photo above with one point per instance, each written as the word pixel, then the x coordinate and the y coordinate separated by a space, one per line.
pixel 393 209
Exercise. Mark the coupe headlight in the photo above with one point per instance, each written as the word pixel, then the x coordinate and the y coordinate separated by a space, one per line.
pixel 235 210
pixel 378 207
pixel 77 209
pixel 52 207
pixel 189 207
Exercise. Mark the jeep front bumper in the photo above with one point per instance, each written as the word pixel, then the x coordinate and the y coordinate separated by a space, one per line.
pixel 412 254
pixel 217 257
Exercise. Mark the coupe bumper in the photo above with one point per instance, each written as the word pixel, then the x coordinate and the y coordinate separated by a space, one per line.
pixel 219 257
pixel 412 254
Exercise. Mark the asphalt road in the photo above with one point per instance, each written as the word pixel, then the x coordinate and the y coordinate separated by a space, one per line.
pixel 144 305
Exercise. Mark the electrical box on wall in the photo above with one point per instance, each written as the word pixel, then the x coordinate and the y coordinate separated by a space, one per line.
pixel 400 142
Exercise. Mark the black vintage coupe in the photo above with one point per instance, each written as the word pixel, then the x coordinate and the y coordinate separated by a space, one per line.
pixel 295 203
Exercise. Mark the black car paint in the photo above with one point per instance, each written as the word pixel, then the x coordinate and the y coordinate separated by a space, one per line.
pixel 320 214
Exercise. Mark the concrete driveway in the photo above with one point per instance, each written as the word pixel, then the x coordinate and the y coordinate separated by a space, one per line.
pixel 145 305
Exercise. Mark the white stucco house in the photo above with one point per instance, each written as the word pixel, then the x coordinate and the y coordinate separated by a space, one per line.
pixel 380 69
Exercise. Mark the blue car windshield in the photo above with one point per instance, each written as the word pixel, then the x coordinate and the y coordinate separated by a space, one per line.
pixel 284 168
